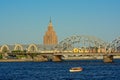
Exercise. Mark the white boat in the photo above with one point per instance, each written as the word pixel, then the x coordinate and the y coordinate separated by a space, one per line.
pixel 76 69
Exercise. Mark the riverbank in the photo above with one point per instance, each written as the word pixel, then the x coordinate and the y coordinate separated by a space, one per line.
pixel 86 57
pixel 14 60
pixel 39 59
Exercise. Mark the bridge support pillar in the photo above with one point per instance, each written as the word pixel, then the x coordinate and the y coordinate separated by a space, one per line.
pixel 56 58
pixel 40 58
pixel 108 58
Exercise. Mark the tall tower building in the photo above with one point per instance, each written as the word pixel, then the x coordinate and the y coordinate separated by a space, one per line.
pixel 50 37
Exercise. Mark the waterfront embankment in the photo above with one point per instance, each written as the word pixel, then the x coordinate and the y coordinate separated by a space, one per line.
pixel 14 60
pixel 41 59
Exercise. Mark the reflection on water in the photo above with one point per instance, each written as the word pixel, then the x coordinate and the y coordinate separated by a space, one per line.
pixel 92 70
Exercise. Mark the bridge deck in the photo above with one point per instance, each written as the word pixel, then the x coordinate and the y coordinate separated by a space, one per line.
pixel 88 54
pixel 83 54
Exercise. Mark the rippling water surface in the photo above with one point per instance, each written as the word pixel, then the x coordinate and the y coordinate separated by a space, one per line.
pixel 92 70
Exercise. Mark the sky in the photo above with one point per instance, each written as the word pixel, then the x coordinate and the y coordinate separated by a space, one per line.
pixel 25 21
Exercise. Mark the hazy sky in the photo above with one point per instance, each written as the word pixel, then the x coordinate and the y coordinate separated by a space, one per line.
pixel 25 21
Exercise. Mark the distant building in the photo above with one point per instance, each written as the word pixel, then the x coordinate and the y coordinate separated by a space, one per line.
pixel 50 37
pixel 30 48
pixel 50 40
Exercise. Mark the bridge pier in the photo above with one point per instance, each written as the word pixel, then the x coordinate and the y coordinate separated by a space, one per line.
pixel 108 58
pixel 56 58
pixel 40 58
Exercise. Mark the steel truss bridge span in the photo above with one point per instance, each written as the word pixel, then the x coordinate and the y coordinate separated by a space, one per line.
pixel 114 46
pixel 80 41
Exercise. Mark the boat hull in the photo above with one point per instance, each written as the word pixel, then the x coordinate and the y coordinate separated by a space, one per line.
pixel 75 70
pixel 78 69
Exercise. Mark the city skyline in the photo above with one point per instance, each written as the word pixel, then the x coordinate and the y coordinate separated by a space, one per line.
pixel 26 21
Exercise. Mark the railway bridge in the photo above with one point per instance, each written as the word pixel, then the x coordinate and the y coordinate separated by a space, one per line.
pixel 80 45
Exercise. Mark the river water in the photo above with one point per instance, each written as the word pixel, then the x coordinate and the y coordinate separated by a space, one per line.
pixel 92 70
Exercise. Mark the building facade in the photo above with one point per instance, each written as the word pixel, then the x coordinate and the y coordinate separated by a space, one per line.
pixel 50 37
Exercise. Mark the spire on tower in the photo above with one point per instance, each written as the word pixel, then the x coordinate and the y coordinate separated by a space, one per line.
pixel 50 20
pixel 50 23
